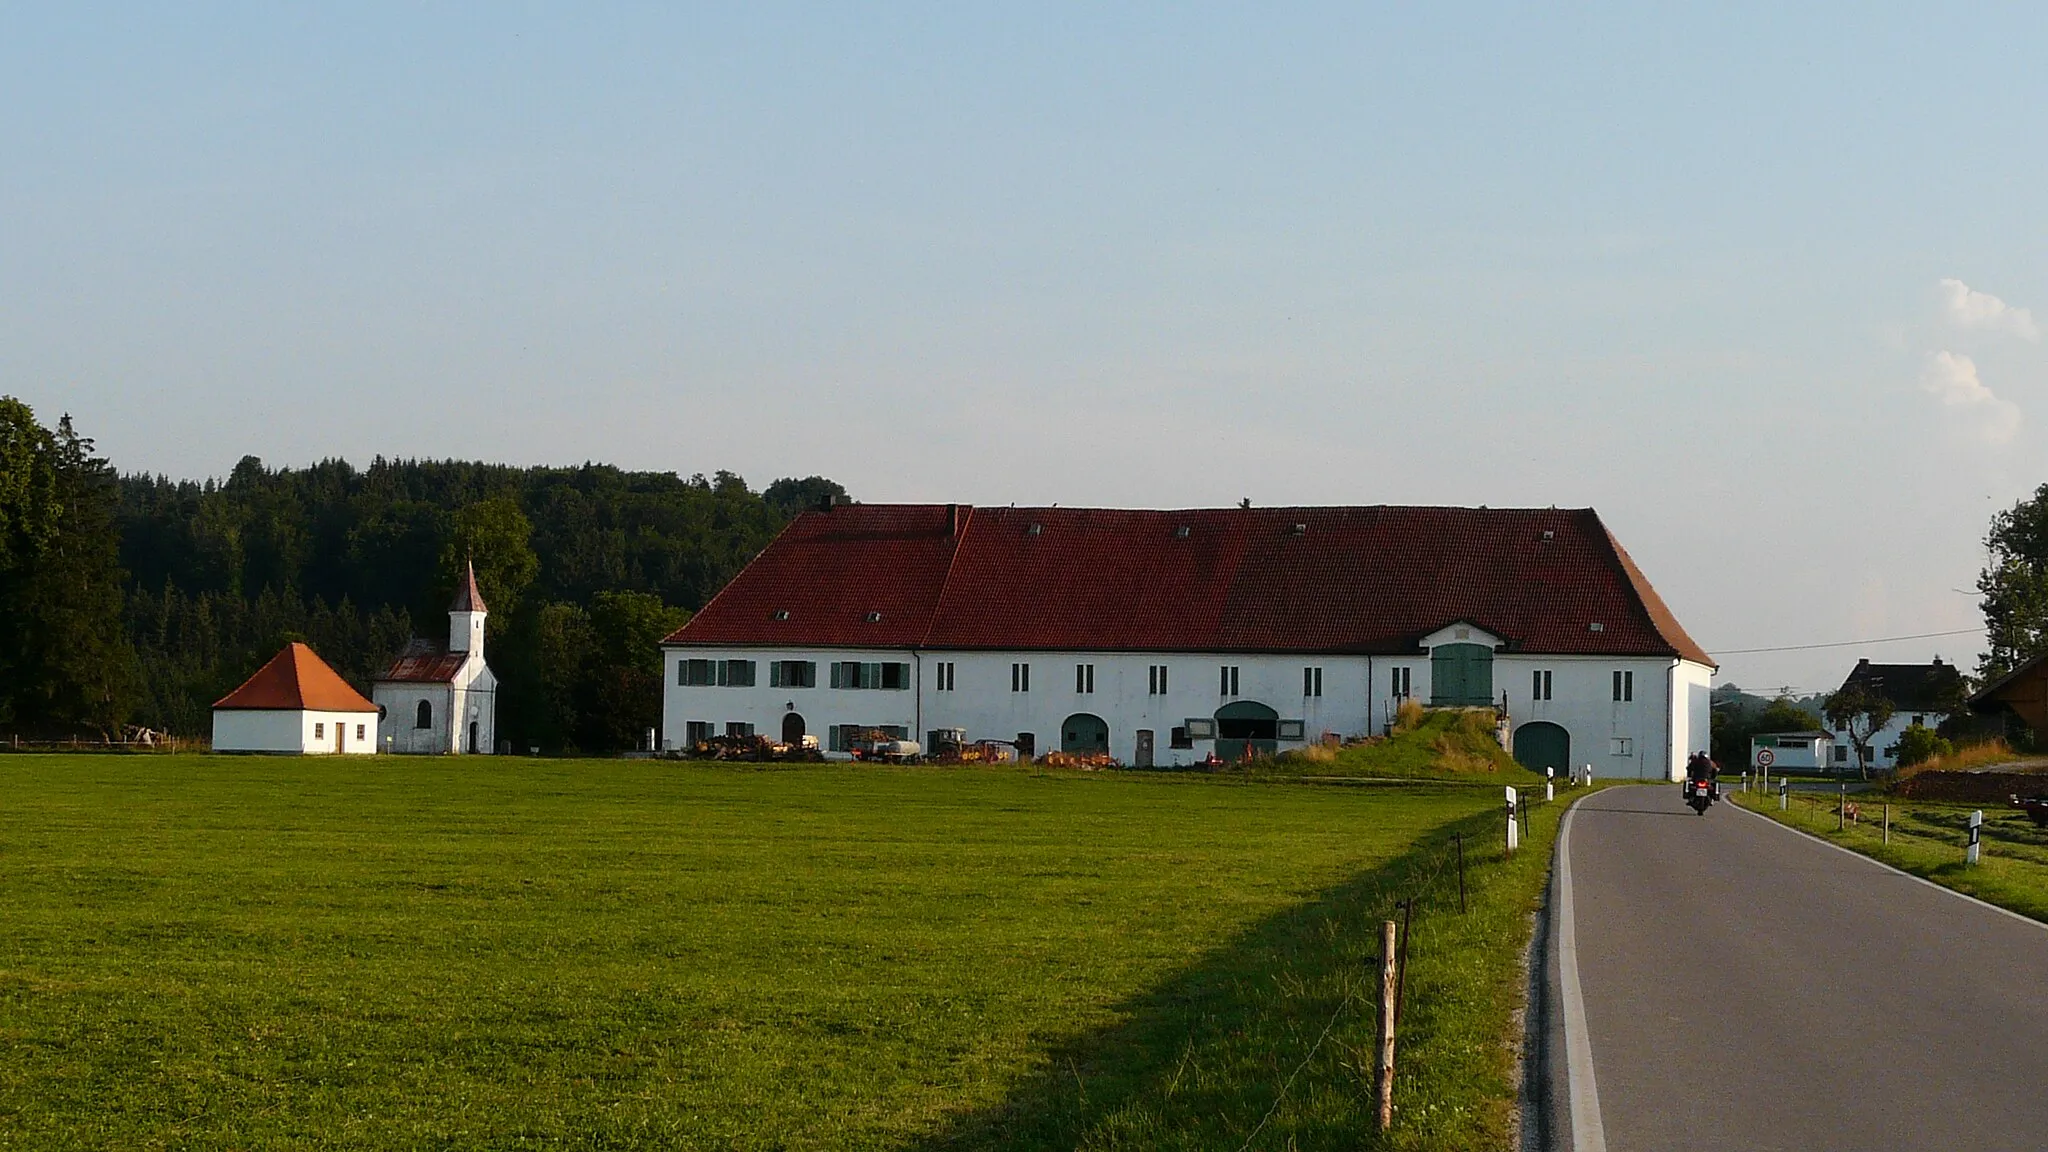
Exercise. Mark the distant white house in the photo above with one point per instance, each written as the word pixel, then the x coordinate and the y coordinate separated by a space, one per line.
pixel 1919 693
pixel 438 699
pixel 296 706
pixel 1791 751
pixel 1164 637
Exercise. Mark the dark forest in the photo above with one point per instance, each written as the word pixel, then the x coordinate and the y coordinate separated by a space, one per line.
pixel 133 601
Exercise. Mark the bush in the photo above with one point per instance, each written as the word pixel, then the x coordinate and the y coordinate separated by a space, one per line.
pixel 1408 715
pixel 1918 744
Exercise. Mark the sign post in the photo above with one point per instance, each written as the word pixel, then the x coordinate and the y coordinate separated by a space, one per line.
pixel 1970 853
pixel 1514 838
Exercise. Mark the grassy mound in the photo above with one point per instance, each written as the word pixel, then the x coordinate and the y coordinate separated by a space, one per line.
pixel 1425 745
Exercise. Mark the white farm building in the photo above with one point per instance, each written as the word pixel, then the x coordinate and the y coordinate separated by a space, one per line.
pixel 437 699
pixel 1162 637
pixel 295 705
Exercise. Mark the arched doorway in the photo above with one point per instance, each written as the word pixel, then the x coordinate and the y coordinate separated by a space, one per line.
pixel 793 729
pixel 1246 727
pixel 1540 744
pixel 1084 734
pixel 472 736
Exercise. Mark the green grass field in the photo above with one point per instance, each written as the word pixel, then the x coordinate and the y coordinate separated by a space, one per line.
pixel 420 953
pixel 1927 839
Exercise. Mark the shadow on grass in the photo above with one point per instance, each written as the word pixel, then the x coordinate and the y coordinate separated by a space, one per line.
pixel 1199 1061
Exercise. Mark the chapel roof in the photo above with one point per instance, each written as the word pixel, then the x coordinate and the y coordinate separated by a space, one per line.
pixel 424 662
pixel 295 680
pixel 1334 580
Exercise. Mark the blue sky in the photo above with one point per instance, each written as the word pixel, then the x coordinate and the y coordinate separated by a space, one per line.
pixel 1685 265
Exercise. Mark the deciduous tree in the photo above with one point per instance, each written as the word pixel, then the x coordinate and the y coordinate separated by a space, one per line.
pixel 1860 714
pixel 2014 586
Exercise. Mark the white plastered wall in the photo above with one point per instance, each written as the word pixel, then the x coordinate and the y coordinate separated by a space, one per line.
pixel 1619 738
pixel 292 732
pixel 1356 699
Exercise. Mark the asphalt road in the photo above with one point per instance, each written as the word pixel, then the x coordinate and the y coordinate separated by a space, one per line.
pixel 1746 987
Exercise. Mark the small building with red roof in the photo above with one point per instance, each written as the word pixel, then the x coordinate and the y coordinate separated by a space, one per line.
pixel 1163 636
pixel 442 699
pixel 295 705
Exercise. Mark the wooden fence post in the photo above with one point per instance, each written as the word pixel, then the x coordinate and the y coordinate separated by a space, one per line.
pixel 1388 984
pixel 1461 874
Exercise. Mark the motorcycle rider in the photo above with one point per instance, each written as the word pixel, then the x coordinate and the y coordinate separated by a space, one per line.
pixel 1702 767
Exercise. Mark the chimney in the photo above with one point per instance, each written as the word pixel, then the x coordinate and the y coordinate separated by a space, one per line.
pixel 952 519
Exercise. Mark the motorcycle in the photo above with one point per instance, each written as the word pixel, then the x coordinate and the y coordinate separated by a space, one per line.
pixel 1700 794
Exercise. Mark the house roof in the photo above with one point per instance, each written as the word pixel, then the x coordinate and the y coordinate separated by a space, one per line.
pixel 295 680
pixel 1993 696
pixel 1330 580
pixel 424 662
pixel 467 598
pixel 1910 687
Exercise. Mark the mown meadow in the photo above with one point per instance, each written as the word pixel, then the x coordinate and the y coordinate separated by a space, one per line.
pixel 213 952
pixel 1927 839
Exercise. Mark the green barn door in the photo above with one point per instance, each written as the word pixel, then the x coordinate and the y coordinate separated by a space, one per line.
pixel 1460 675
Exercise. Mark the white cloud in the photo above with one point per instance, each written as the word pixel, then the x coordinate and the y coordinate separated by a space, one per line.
pixel 1953 379
pixel 1966 307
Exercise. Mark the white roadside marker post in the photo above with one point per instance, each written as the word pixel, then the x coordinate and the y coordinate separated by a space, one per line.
pixel 1514 839
pixel 1783 786
pixel 1970 853
pixel 1549 786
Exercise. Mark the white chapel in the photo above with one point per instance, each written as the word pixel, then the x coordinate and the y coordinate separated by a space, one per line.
pixel 436 699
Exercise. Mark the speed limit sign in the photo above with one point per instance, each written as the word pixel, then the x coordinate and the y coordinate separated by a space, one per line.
pixel 1765 758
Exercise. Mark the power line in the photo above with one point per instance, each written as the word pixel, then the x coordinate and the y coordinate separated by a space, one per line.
pixel 1850 643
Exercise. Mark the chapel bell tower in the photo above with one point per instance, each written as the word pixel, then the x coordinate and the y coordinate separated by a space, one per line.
pixel 466 616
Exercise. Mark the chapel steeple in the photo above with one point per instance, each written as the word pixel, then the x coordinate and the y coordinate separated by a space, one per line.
pixel 466 615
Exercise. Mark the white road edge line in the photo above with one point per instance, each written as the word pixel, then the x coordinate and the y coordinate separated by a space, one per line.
pixel 1587 1134
pixel 2027 920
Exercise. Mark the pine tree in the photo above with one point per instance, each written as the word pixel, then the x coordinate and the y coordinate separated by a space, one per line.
pixel 66 666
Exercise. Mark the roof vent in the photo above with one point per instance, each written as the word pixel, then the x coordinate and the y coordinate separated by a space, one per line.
pixel 1034 530
pixel 782 613
pixel 1596 626
pixel 1181 533
pixel 1549 535
pixel 1298 530
pixel 874 617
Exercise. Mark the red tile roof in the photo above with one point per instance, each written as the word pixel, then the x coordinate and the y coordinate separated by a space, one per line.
pixel 295 680
pixel 424 662
pixel 1330 580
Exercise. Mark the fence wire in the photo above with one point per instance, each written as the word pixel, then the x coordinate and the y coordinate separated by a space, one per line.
pixel 1442 859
